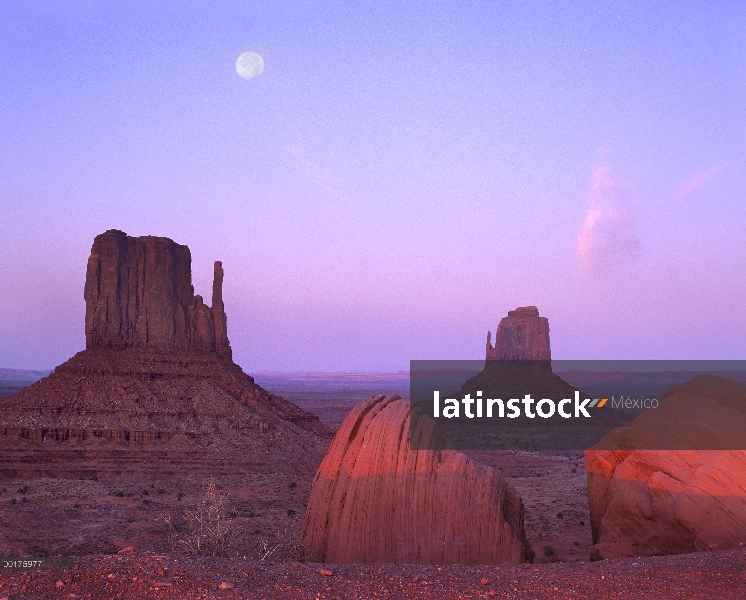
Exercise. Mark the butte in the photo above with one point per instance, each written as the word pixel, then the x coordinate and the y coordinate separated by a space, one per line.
pixel 156 389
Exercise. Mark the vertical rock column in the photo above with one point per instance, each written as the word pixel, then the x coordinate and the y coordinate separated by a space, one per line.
pixel 220 321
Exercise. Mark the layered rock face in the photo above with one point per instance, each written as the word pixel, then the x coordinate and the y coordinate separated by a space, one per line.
pixel 522 335
pixel 139 294
pixel 156 388
pixel 374 500
pixel 652 502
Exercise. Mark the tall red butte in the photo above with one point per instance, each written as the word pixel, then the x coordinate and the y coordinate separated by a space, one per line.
pixel 155 389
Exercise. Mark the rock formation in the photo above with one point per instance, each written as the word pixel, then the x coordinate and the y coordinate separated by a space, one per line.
pixel 677 500
pixel 522 335
pixel 156 388
pixel 519 363
pixel 139 294
pixel 374 500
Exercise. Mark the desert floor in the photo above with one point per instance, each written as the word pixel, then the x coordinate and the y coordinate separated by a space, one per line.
pixel 130 538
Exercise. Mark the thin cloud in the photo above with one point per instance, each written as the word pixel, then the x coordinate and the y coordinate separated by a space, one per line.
pixel 705 177
pixel 607 239
pixel 321 176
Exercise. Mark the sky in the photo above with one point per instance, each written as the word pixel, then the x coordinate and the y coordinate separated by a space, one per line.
pixel 400 176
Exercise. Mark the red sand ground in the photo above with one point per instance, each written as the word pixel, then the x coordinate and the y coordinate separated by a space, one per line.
pixel 92 520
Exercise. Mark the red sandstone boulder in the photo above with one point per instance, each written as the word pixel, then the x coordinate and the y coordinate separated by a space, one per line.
pixel 522 335
pixel 374 500
pixel 678 500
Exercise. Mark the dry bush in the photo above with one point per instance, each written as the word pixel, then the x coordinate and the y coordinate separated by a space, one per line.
pixel 205 528
pixel 284 545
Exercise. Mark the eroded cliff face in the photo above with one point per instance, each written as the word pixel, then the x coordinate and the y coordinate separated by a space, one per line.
pixel 522 335
pixel 139 294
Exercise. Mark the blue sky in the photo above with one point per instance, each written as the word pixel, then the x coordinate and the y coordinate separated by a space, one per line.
pixel 400 176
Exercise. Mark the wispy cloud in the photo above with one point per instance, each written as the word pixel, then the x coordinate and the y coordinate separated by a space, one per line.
pixel 702 179
pixel 321 176
pixel 608 238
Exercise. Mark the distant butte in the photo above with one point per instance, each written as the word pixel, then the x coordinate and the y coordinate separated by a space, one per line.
pixel 522 335
pixel 155 389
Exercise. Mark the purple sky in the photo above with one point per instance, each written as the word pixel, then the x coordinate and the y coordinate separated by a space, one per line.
pixel 400 176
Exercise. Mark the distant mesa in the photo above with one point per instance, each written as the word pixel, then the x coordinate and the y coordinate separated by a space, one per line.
pixel 653 502
pixel 522 335
pixel 156 388
pixel 373 500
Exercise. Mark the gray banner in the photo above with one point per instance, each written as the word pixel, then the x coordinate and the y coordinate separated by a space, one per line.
pixel 577 405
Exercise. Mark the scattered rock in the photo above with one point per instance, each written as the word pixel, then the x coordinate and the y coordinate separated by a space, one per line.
pixel 326 572
pixel 126 550
pixel 226 586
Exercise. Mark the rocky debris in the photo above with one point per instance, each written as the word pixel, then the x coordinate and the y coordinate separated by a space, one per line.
pixel 139 294
pixel 522 335
pixel 676 500
pixel 156 388
pixel 704 575
pixel 374 500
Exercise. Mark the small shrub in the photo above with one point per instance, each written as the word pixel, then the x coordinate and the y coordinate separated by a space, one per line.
pixel 560 515
pixel 291 512
pixel 145 501
pixel 576 543
pixel 161 490
pixel 23 489
pixel 94 478
pixel 548 551
pixel 181 495
pixel 145 492
pixel 251 514
pixel 574 470
pixel 24 499
pixel 76 505
pixel 13 501
pixel 582 523
pixel 207 526
pixel 293 484
pixel 119 494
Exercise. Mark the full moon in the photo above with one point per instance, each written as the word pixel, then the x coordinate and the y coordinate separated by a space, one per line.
pixel 249 65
